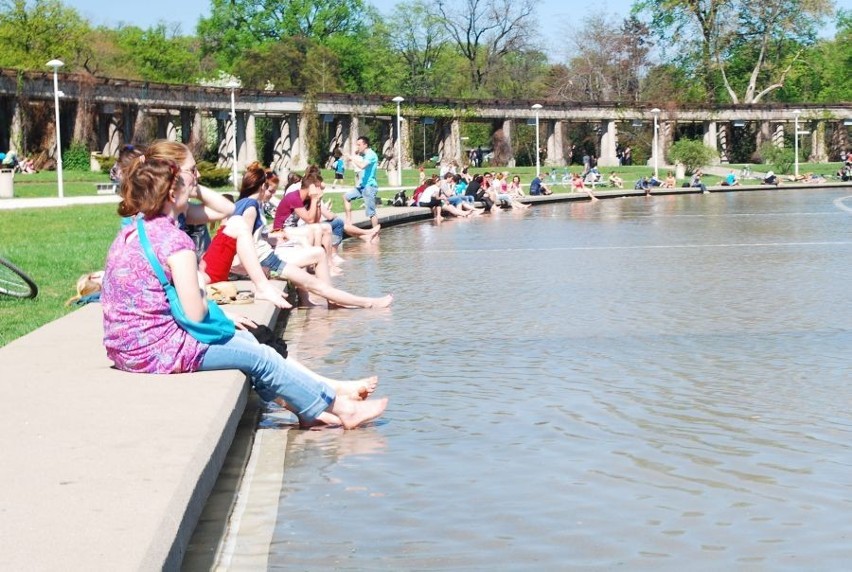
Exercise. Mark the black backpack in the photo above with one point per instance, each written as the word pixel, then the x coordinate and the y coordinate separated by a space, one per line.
pixel 400 200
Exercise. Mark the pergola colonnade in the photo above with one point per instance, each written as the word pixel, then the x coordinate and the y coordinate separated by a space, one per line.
pixel 113 112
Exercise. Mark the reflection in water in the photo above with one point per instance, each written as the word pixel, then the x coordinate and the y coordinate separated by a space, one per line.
pixel 645 383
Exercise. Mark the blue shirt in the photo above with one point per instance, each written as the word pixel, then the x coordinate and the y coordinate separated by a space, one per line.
pixel 368 175
pixel 339 166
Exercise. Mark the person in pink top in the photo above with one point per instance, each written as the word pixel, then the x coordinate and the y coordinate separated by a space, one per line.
pixel 140 333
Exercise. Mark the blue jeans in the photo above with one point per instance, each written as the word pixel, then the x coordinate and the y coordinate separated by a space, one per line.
pixel 337 225
pixel 369 195
pixel 271 375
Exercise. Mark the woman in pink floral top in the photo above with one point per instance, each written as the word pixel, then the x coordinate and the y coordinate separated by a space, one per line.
pixel 140 333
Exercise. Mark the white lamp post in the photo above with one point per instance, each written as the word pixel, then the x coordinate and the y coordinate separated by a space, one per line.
pixel 399 99
pixel 656 112
pixel 796 113
pixel 56 64
pixel 536 107
pixel 233 84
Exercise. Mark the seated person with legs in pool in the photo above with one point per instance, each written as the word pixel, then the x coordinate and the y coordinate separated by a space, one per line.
pixel 295 206
pixel 452 199
pixel 253 193
pixel 537 187
pixel 515 192
pixel 142 334
pixel 577 184
pixel 429 199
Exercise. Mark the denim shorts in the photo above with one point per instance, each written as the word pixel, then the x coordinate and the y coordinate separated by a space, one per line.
pixel 271 375
pixel 369 196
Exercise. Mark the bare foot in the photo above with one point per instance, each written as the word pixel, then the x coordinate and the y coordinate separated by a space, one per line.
pixel 272 294
pixel 383 302
pixel 335 270
pixel 354 413
pixel 357 389
pixel 337 260
pixel 324 418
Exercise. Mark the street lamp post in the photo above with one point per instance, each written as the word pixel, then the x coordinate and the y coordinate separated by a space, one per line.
pixel 56 64
pixel 233 84
pixel 536 107
pixel 796 113
pixel 398 99
pixel 656 112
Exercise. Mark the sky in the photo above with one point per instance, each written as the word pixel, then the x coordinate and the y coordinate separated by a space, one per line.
pixel 556 16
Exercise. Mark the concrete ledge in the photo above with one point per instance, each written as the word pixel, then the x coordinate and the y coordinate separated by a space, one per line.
pixel 103 469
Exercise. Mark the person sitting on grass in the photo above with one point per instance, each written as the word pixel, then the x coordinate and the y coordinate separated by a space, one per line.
pixel 730 180
pixel 141 334
pixel 771 179
pixel 615 181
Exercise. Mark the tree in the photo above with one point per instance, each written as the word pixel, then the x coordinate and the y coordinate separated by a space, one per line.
pixel 692 154
pixel 31 33
pixel 237 25
pixel 607 61
pixel 484 31
pixel 420 37
pixel 706 34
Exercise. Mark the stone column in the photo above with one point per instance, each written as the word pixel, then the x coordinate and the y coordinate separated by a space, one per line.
pixel 711 138
pixel 818 153
pixel 300 144
pixel 227 129
pixel 248 150
pixel 839 140
pixel 407 161
pixel 501 144
pixel 113 136
pixel 166 128
pixel 83 121
pixel 608 141
pixel 555 150
pixel 281 146
pixel 725 142
pixel 763 135
pixel 778 135
pixel 384 146
pixel 185 126
pixel 16 129
pixel 449 147
pixel 351 138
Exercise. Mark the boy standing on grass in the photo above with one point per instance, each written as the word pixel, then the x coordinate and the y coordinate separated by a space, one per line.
pixel 365 160
pixel 339 168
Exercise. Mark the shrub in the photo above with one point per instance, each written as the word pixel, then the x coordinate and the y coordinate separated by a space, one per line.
pixel 779 157
pixel 106 164
pixel 76 158
pixel 212 176
pixel 692 154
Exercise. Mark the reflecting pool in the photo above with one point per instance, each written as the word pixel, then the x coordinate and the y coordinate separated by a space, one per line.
pixel 645 383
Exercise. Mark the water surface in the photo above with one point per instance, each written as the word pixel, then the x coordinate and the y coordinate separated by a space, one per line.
pixel 650 384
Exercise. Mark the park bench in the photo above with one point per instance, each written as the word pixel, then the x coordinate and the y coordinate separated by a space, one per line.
pixel 104 469
pixel 106 188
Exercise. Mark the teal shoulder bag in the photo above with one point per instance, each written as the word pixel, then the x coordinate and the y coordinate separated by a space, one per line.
pixel 216 328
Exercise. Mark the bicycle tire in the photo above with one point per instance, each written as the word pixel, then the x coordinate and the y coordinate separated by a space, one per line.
pixel 14 281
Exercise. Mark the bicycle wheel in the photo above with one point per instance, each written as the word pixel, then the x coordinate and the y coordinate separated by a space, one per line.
pixel 14 282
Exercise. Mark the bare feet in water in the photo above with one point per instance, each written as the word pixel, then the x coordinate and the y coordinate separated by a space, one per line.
pixel 354 413
pixel 357 389
pixel 383 302
pixel 372 234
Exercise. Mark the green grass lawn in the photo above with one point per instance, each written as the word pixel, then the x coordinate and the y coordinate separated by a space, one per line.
pixel 54 246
